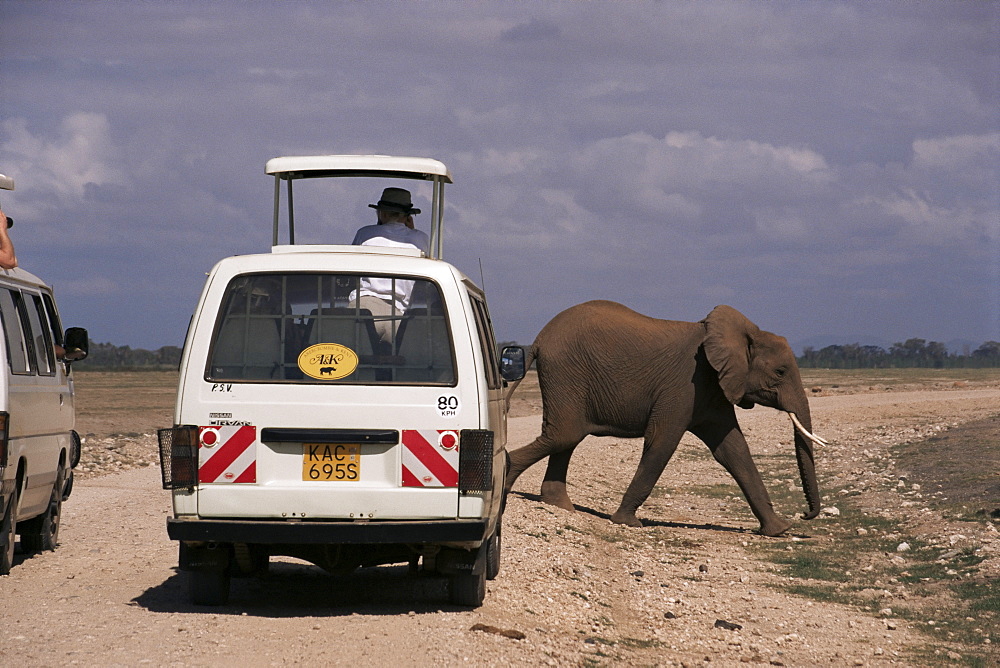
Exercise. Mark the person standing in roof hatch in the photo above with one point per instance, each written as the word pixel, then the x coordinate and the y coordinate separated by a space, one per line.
pixel 395 223
pixel 386 297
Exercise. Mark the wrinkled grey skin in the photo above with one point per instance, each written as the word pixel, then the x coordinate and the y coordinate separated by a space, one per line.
pixel 606 370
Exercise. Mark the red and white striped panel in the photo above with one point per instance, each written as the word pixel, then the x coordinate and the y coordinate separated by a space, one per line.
pixel 430 458
pixel 227 454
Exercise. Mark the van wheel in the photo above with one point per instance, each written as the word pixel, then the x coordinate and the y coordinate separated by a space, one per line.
pixel 468 589
pixel 493 554
pixel 42 533
pixel 75 448
pixel 8 534
pixel 209 587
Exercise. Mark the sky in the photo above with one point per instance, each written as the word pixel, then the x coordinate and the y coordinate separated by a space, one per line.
pixel 830 168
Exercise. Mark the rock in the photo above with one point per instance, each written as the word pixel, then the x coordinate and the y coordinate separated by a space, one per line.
pixel 729 626
pixel 506 633
pixel 903 547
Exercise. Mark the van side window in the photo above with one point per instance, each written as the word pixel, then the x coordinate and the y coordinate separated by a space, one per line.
pixel 486 340
pixel 267 321
pixel 17 346
pixel 41 335
pixel 55 325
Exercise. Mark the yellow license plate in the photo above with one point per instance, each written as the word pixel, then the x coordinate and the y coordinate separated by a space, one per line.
pixel 331 461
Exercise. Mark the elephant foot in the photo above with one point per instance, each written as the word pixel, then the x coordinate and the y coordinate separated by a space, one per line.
pixel 627 518
pixel 554 494
pixel 775 527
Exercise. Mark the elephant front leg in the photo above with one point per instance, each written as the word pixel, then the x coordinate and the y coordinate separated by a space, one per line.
pixel 554 485
pixel 730 449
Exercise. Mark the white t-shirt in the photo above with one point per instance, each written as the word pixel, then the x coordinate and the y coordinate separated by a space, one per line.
pixel 398 235
pixel 391 234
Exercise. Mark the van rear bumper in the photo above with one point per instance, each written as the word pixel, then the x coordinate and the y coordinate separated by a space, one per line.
pixel 344 533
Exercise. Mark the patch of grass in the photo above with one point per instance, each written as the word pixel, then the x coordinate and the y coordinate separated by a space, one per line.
pixel 810 565
pixel 856 562
pixel 861 379
pixel 638 643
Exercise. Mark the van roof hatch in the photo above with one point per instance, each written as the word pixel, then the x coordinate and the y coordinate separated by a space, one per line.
pixel 290 168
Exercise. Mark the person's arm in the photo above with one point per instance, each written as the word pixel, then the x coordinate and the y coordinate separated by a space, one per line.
pixel 7 258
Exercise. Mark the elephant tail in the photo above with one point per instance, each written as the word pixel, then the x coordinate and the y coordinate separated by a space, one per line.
pixel 530 353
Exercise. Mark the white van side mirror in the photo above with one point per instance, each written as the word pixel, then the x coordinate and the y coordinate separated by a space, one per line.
pixel 512 363
pixel 77 344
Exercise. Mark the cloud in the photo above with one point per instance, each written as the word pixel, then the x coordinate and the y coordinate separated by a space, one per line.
pixel 947 192
pixel 531 31
pixel 79 153
pixel 959 152
pixel 665 154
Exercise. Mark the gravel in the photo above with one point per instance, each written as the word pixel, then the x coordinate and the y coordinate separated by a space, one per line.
pixel 687 589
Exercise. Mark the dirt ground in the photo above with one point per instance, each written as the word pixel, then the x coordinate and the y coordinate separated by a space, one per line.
pixel 693 587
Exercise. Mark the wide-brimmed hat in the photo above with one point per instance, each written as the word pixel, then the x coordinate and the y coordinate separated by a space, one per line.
pixel 396 199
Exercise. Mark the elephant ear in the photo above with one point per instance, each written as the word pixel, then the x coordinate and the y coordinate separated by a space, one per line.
pixel 728 338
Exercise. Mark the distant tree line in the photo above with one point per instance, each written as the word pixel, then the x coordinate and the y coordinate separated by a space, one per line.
pixel 108 356
pixel 912 353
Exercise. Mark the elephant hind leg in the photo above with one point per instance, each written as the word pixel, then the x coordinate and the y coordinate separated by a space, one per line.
pixel 559 453
pixel 554 485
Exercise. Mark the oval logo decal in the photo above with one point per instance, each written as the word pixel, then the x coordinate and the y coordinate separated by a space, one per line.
pixel 328 361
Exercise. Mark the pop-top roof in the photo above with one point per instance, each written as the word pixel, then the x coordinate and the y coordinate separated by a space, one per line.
pixel 313 166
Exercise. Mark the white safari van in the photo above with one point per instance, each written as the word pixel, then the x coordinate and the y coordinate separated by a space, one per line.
pixel 38 447
pixel 300 432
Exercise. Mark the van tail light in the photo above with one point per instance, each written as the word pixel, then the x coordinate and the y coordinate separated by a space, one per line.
pixel 475 461
pixel 4 437
pixel 179 456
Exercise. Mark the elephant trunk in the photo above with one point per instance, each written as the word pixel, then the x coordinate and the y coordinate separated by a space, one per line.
pixel 804 439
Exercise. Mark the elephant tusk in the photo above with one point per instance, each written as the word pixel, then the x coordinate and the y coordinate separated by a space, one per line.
pixel 805 432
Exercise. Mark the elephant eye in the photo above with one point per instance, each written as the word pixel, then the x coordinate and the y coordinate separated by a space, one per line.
pixel 780 371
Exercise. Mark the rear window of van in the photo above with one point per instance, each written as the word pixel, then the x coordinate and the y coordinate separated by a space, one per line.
pixel 332 328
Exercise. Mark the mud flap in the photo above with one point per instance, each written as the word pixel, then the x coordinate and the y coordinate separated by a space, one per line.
pixel 204 558
pixel 452 561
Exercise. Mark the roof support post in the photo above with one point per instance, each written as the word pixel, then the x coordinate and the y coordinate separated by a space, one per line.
pixel 291 214
pixel 277 195
pixel 437 220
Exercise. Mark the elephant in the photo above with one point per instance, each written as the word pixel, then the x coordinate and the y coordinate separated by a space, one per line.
pixel 606 370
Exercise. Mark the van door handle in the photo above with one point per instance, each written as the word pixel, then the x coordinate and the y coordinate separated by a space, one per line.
pixel 292 435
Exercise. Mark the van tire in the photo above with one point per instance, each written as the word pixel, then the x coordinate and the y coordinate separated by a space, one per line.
pixel 209 587
pixel 41 533
pixel 493 554
pixel 75 448
pixel 8 534
pixel 468 589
